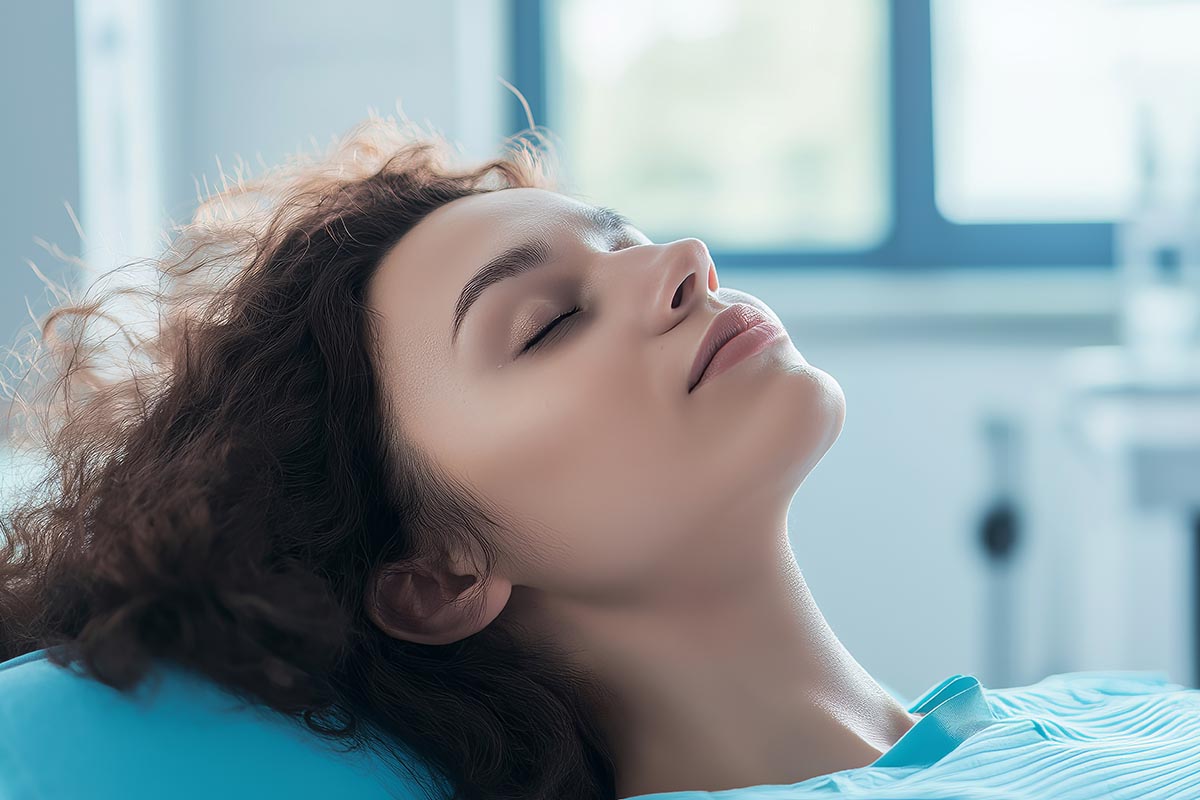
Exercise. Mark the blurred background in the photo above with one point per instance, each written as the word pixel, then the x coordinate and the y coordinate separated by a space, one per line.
pixel 982 217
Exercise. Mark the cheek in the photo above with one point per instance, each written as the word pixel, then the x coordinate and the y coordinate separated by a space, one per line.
pixel 591 473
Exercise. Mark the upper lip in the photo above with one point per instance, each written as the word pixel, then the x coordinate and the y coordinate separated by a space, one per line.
pixel 727 324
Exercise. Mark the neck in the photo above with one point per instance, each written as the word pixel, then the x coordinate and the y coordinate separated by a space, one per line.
pixel 745 684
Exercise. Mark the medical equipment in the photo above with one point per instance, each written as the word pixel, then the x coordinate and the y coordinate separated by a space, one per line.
pixel 1138 403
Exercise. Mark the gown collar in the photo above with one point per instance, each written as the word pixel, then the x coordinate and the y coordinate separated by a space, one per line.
pixel 954 710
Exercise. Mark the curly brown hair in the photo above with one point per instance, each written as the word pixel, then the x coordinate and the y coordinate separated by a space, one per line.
pixel 219 493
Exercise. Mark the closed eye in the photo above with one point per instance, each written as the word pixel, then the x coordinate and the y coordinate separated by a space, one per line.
pixel 540 335
pixel 538 338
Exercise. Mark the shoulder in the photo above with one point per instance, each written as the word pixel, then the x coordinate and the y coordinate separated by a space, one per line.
pixel 63 734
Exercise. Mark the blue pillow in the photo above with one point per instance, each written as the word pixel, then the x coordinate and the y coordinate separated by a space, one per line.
pixel 64 735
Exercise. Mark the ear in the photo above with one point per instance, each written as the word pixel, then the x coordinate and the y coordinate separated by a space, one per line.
pixel 427 604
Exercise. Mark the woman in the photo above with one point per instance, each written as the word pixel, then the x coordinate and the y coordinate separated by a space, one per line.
pixel 418 455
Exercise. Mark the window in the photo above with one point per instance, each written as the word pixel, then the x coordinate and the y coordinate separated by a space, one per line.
pixel 795 163
pixel 1030 96
pixel 802 132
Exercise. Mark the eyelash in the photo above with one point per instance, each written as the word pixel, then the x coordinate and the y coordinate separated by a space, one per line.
pixel 538 338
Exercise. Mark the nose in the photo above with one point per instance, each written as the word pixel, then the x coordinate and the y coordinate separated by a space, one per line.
pixel 689 262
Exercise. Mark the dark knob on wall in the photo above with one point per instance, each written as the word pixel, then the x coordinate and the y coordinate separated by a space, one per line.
pixel 999 529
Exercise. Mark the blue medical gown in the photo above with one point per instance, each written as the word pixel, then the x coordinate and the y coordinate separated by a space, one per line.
pixel 1074 735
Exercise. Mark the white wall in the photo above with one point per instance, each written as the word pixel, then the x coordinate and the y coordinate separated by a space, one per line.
pixel 39 140
pixel 258 79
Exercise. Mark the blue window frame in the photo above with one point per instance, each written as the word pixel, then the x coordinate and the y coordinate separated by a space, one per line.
pixel 921 236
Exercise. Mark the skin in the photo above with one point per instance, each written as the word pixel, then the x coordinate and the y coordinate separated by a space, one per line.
pixel 651 538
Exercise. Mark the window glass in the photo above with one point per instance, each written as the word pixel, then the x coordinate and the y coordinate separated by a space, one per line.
pixel 1044 111
pixel 757 124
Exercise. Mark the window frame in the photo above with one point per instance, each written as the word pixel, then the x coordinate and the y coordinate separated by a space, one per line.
pixel 920 235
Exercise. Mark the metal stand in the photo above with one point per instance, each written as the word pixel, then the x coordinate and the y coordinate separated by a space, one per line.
pixel 999 535
pixel 1195 526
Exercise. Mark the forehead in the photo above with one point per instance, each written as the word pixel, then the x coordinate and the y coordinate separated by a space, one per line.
pixel 419 278
pixel 443 250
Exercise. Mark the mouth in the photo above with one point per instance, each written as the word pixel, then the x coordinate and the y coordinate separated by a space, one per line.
pixel 737 318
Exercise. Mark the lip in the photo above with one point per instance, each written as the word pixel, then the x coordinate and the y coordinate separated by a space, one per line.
pixel 737 318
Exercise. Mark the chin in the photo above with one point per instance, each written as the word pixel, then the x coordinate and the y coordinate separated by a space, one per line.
pixel 836 404
pixel 788 422
pixel 821 408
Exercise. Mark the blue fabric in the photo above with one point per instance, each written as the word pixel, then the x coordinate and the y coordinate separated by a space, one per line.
pixel 1070 736
pixel 1074 735
pixel 64 735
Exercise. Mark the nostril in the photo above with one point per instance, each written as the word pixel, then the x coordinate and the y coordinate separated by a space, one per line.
pixel 678 298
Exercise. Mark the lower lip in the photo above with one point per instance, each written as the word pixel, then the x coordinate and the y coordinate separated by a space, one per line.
pixel 745 344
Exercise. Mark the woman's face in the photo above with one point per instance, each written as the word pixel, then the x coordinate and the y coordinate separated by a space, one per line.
pixel 621 482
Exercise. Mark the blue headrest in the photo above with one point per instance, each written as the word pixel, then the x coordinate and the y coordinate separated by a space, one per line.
pixel 64 735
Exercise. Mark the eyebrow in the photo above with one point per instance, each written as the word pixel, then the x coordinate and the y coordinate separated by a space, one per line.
pixel 527 256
